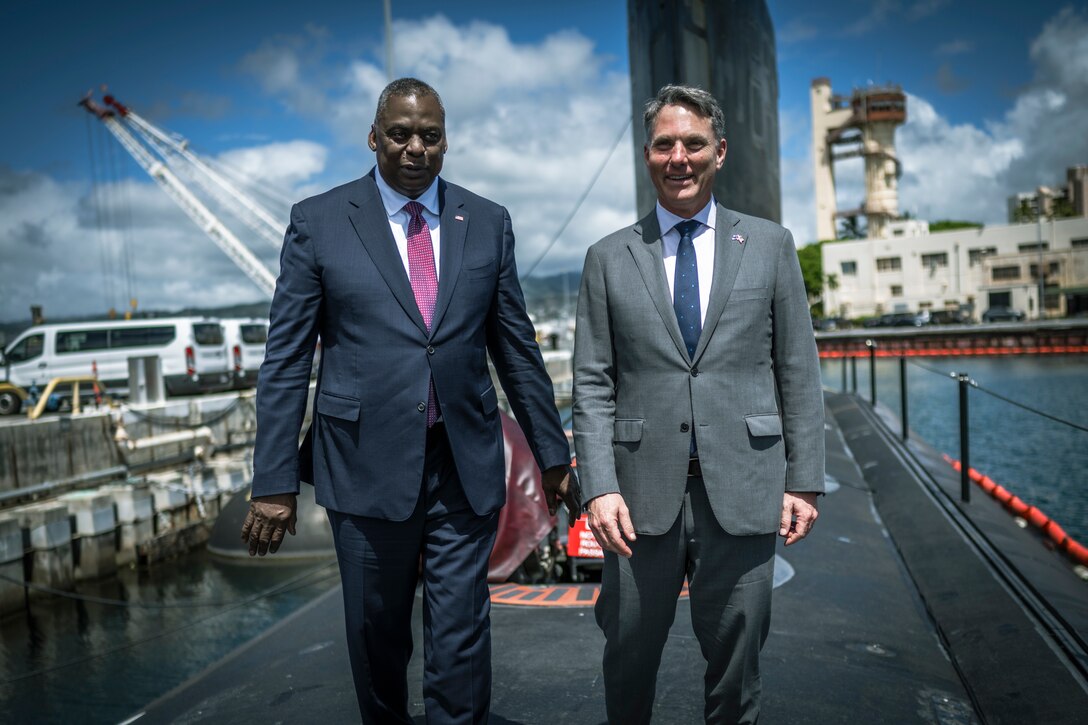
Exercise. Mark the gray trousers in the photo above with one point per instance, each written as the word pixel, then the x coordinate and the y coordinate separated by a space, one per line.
pixel 729 583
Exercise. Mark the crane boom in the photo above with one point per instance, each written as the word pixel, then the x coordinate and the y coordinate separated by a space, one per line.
pixel 192 206
pixel 255 216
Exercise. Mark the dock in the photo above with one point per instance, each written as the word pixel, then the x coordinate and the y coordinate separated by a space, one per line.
pixel 903 606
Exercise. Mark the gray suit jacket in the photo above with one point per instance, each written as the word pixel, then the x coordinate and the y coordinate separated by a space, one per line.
pixel 752 392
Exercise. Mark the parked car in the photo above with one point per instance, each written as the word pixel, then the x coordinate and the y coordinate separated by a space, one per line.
pixel 828 324
pixel 899 319
pixel 1002 313
pixel 192 351
pixel 949 317
pixel 246 339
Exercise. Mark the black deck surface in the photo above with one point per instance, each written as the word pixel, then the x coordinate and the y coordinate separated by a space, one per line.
pixel 852 641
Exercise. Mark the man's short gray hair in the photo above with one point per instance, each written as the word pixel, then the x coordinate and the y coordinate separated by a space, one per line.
pixel 675 95
pixel 404 87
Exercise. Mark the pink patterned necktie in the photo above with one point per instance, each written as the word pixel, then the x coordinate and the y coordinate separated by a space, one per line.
pixel 424 279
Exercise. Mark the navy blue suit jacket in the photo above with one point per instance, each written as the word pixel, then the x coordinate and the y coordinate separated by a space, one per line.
pixel 342 278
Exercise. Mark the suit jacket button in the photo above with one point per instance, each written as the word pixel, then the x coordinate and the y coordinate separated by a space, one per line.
pixel 422 407
pixel 430 350
pixel 684 427
pixel 695 372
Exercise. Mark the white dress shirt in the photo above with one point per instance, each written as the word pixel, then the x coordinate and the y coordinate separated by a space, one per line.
pixel 702 239
pixel 394 203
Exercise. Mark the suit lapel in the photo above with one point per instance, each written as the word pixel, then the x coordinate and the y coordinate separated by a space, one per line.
pixel 727 256
pixel 646 250
pixel 371 224
pixel 453 231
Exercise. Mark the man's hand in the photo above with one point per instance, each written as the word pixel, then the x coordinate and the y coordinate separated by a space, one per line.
pixel 798 516
pixel 560 485
pixel 610 522
pixel 268 518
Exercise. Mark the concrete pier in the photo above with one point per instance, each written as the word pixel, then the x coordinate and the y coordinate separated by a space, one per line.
pixel 135 517
pixel 11 564
pixel 171 499
pixel 87 535
pixel 50 537
pixel 95 526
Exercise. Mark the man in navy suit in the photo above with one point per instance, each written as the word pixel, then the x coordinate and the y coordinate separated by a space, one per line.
pixel 409 282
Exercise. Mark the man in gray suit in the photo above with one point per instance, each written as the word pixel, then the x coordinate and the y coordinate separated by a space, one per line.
pixel 698 418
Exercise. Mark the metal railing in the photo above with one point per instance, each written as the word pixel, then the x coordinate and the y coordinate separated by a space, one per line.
pixel 964 383
pixel 75 381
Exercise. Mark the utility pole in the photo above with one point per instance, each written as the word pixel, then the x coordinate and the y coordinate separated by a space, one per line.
pixel 1040 279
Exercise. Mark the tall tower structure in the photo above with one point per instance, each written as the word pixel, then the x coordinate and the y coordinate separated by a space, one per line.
pixel 726 47
pixel 862 125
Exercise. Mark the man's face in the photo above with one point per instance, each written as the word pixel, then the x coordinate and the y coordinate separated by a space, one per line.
pixel 409 139
pixel 682 158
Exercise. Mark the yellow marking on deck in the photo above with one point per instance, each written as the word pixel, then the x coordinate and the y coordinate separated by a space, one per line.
pixel 550 595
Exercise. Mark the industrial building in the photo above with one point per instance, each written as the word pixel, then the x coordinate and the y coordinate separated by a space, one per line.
pixel 968 269
pixel 1068 200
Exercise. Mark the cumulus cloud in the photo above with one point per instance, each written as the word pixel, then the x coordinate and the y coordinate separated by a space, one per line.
pixel 528 123
pixel 82 250
pixel 966 171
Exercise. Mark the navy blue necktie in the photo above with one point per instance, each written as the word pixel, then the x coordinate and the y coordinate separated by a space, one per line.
pixel 685 296
pixel 685 287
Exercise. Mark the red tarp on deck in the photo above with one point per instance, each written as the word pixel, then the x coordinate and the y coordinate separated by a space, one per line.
pixel 524 521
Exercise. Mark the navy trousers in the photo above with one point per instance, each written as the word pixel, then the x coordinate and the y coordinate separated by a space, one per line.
pixel 379 567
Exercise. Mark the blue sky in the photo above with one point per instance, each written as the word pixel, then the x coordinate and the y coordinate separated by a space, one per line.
pixel 536 92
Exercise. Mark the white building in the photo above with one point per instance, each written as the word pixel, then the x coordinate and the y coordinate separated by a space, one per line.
pixel 905 228
pixel 970 269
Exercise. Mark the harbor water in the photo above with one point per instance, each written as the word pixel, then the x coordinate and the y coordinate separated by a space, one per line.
pixel 1041 460
pixel 75 660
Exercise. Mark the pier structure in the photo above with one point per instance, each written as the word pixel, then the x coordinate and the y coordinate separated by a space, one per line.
pixel 862 125
pixel 1049 337
pixel 84 494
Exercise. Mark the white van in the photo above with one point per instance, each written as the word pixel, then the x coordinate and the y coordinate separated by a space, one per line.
pixel 246 338
pixel 193 351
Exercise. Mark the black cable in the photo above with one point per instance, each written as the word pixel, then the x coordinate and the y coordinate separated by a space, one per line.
pixel 932 370
pixel 96 201
pixel 578 205
pixel 1010 401
pixel 1028 408
pixel 173 423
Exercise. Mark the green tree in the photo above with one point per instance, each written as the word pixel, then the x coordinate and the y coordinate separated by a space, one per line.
pixel 1062 208
pixel 947 225
pixel 1024 213
pixel 812 269
pixel 852 228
